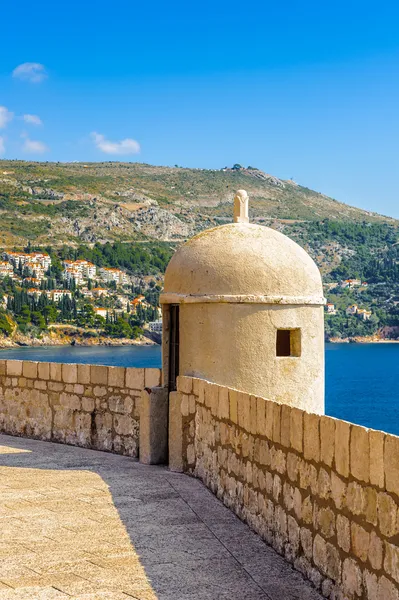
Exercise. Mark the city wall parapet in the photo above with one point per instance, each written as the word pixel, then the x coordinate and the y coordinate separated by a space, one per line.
pixel 323 492
pixel 92 406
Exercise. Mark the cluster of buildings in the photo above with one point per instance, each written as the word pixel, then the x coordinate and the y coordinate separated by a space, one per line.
pixel 362 313
pixel 78 270
pixel 352 283
pixel 352 310
pixel 82 270
pixel 35 264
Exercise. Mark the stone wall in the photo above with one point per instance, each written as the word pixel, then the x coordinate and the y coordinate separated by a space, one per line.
pixel 323 492
pixel 84 405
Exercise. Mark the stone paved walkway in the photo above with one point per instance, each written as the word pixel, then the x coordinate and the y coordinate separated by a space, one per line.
pixel 88 525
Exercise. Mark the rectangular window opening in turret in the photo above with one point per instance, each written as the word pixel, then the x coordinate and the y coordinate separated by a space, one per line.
pixel 288 342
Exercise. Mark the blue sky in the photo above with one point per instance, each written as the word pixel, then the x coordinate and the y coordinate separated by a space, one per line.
pixel 308 90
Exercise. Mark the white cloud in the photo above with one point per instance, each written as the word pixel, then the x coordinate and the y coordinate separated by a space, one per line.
pixel 33 72
pixel 126 146
pixel 34 146
pixel 2 146
pixel 5 116
pixel 32 119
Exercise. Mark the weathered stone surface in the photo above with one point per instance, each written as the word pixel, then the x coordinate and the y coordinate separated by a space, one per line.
pixel 43 369
pixel 99 374
pixel 84 374
pixel 352 578
pixel 387 515
pixel 375 551
pixel 116 377
pixel 69 373
pixel 55 372
pixel 14 368
pixel 376 442
pixel 343 533
pixel 360 453
pixel 29 369
pixel 296 429
pixel 342 431
pixel 391 562
pixel 311 437
pixel 360 541
pixel 391 464
pixel 387 590
pixel 327 440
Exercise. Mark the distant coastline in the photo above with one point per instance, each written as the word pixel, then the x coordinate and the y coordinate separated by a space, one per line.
pixel 52 339
pixel 361 340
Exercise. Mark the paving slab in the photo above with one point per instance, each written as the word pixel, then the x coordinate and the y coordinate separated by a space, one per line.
pixel 89 525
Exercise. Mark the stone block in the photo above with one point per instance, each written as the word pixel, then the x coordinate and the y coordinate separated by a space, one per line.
pixel 70 401
pixel 184 385
pixel 387 515
pixel 338 491
pixel 152 378
pixel 326 522
pixel 243 409
pixel 371 505
pixel 154 426
pixel 311 437
pixel 233 397
pixel 84 374
pixel 261 416
pixel 342 432
pixel 43 370
pixel 88 404
pixel 29 369
pixel 376 442
pixel 356 498
pixel 79 389
pixel 175 433
pixel 285 425
pixel 55 372
pixel 253 425
pixel 135 378
pixel 99 391
pixel 296 429
pixel 320 553
pixel 391 562
pixel 391 464
pixel 327 440
pixel 352 581
pixel 360 453
pixel 343 533
pixel 387 590
pixel 375 551
pixel 324 484
pixel 306 536
pixel 269 419
pixel 224 409
pixel 360 541
pixel 3 367
pixel 99 374
pixel 14 368
pixel 123 424
pixel 69 373
pixel 276 435
pixel 370 582
pixel 292 466
pixel 116 377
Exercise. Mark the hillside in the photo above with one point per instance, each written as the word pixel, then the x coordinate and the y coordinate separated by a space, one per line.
pixel 84 206
pixel 53 202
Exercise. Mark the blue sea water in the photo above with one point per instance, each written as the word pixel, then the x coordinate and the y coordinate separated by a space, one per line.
pixel 362 380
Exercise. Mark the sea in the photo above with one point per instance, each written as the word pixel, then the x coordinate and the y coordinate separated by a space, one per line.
pixel 362 380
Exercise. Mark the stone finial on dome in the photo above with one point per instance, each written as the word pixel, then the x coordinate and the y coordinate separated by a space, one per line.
pixel 241 207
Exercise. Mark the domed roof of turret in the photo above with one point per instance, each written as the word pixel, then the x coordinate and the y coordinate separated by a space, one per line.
pixel 244 260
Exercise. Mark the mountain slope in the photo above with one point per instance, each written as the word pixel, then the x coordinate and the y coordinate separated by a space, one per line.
pixel 129 201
